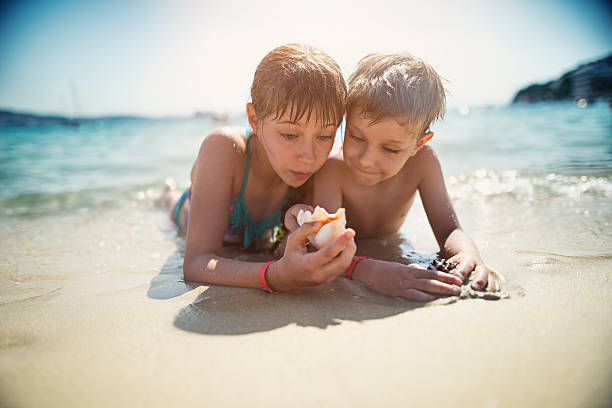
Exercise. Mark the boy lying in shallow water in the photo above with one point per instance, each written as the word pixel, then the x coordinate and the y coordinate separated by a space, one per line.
pixel 392 101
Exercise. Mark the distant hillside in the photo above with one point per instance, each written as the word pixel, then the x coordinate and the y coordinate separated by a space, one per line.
pixel 589 81
pixel 8 118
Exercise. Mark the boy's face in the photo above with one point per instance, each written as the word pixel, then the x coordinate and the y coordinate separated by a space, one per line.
pixel 376 152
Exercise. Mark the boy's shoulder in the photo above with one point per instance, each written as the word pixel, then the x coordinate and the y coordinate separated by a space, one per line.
pixel 421 163
pixel 426 154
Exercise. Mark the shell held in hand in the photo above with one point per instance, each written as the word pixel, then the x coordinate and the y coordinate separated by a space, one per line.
pixel 335 225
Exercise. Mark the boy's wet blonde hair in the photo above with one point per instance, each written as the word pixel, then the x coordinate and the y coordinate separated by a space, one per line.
pixel 302 80
pixel 399 86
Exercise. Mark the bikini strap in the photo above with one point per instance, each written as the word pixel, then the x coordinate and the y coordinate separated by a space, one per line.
pixel 252 229
pixel 248 162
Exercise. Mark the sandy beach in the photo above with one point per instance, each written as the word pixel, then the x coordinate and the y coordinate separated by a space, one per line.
pixel 112 323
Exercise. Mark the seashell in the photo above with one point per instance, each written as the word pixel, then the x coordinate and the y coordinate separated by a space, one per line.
pixel 335 225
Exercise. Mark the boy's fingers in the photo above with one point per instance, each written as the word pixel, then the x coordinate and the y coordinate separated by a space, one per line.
pixel 498 276
pixel 454 259
pixel 435 286
pixel 416 295
pixel 463 269
pixel 481 275
pixel 441 276
pixel 493 285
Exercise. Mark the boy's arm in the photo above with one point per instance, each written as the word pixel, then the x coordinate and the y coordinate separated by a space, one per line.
pixel 328 185
pixel 327 192
pixel 398 280
pixel 454 243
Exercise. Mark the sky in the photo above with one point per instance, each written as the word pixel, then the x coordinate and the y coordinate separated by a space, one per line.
pixel 157 58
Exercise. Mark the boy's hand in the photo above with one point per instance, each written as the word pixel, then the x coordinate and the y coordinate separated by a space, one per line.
pixel 298 268
pixel 291 216
pixel 481 277
pixel 399 280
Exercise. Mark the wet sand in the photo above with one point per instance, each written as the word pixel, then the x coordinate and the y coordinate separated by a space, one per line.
pixel 98 315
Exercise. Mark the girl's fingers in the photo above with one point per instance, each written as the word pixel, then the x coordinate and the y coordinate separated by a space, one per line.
pixel 290 222
pixel 300 235
pixel 337 266
pixel 296 209
pixel 434 286
pixel 438 275
pixel 291 216
pixel 416 295
pixel 331 250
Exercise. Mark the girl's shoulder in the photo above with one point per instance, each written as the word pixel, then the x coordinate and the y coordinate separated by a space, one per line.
pixel 222 150
pixel 228 140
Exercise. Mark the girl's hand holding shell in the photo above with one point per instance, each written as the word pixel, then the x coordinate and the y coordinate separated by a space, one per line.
pixel 291 215
pixel 299 268
pixel 333 225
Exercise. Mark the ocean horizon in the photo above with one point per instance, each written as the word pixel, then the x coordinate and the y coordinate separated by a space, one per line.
pixel 51 167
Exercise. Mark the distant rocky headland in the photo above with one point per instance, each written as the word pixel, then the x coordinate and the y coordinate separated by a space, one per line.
pixel 586 83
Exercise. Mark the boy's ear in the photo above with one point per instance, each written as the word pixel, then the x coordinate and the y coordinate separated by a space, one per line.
pixel 253 121
pixel 422 142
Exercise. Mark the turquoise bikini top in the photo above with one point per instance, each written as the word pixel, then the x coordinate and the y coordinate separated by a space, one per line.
pixel 240 222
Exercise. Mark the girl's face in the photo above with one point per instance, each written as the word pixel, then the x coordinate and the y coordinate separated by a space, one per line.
pixel 376 152
pixel 295 149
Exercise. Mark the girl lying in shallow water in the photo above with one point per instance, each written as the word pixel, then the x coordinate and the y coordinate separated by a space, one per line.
pixel 242 177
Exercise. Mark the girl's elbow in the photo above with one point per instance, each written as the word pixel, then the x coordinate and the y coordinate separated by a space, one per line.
pixel 192 270
pixel 188 274
pixel 191 273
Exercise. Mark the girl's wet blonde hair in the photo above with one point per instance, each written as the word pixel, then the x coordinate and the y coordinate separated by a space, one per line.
pixel 397 86
pixel 301 80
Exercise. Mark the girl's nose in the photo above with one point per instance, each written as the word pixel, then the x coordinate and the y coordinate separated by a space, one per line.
pixel 307 152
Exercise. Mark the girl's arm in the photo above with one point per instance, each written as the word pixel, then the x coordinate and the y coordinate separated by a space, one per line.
pixel 214 176
pixel 454 243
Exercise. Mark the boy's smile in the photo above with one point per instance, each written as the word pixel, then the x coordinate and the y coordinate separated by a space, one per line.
pixel 376 152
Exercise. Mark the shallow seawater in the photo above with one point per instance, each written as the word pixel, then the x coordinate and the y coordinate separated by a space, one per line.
pixel 524 179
